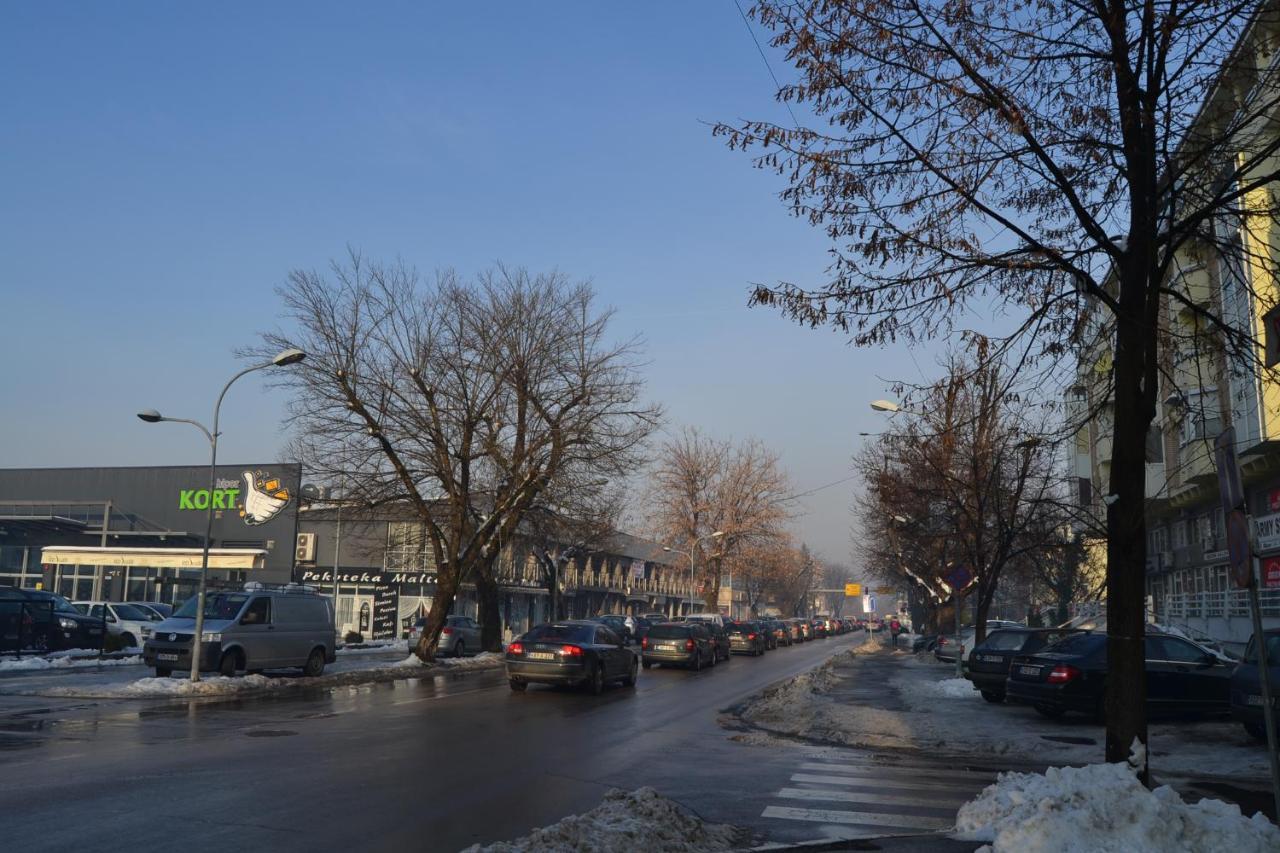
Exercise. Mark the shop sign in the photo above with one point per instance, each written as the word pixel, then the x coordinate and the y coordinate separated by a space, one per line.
pixel 1271 572
pixel 637 569
pixel 264 497
pixel 1268 532
pixel 386 611
pixel 1273 500
pixel 325 576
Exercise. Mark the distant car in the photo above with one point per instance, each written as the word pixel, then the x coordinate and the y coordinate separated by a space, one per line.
pixel 781 632
pixel 1183 678
pixel 1246 687
pixel 989 663
pixel 573 652
pixel 617 624
pixel 161 611
pixel 687 644
pixel 719 638
pixel 132 625
pixel 655 618
pixel 795 628
pixel 924 643
pixel 819 628
pixel 766 629
pixel 45 621
pixel 460 635
pixel 748 638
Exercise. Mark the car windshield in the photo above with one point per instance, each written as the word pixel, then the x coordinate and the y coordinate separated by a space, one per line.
pixel 562 633
pixel 60 604
pixel 1273 651
pixel 1079 644
pixel 668 632
pixel 219 605
pixel 128 611
pixel 1004 641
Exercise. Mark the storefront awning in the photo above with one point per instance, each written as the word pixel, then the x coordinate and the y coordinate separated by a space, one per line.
pixel 157 558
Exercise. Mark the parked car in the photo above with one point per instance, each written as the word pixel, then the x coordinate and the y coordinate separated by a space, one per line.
pixel 132 625
pixel 254 629
pixel 780 631
pixel 989 663
pixel 459 635
pixel 641 626
pixel 748 638
pixel 655 618
pixel 575 652
pixel 1183 678
pixel 924 643
pixel 949 645
pixel 678 643
pixel 39 621
pixel 1246 686
pixel 795 628
pixel 766 630
pixel 161 611
pixel 718 618
pixel 818 629
pixel 719 638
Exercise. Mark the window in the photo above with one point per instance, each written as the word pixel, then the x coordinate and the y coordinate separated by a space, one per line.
pixel 257 613
pixel 1173 649
pixel 1201 417
pixel 1155 444
pixel 1159 539
pixel 1179 534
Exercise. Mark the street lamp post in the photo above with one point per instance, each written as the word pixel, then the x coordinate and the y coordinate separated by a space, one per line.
pixel 151 416
pixel 692 550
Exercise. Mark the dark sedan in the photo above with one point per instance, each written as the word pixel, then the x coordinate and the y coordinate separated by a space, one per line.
pixel 617 624
pixel 1182 678
pixel 819 629
pixel 989 663
pixel 780 632
pixel 1246 687
pixel 573 652
pixel 748 638
pixel 37 620
pixel 687 644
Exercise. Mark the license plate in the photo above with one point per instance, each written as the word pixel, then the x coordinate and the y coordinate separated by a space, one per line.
pixel 166 657
pixel 989 658
pixel 542 656
pixel 1255 700
pixel 666 648
pixel 1029 670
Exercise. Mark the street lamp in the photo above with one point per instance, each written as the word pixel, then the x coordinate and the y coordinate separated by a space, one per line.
pixel 151 416
pixel 689 554
pixel 885 406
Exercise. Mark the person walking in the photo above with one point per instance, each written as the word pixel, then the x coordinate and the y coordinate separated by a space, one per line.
pixel 895 628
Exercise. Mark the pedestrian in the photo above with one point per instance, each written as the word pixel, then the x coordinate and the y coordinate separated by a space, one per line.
pixel 895 628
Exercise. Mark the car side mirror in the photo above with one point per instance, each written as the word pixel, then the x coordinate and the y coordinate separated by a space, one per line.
pixel 1208 661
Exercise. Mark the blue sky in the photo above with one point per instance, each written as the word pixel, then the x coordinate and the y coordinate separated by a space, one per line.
pixel 164 167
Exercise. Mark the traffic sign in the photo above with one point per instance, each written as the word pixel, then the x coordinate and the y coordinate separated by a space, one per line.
pixel 1238 548
pixel 852 590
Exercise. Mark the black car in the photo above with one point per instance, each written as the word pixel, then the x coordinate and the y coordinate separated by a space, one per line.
pixel 748 638
pixel 990 659
pixel 1182 678
pixel 617 624
pixel 573 652
pixel 687 644
pixel 1246 688
pixel 37 620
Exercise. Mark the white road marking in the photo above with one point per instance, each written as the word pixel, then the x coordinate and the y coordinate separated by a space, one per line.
pixel 871 799
pixel 924 775
pixel 878 819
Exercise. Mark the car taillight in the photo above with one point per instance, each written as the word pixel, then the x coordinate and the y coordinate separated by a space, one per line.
pixel 690 645
pixel 942 641
pixel 571 651
pixel 751 636
pixel 1062 673
pixel 447 631
pixel 516 648
pixel 644 642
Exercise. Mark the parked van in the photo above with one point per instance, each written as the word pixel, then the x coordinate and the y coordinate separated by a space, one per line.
pixel 250 630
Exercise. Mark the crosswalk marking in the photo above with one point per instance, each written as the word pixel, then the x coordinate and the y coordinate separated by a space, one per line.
pixel 943 791
pixel 924 774
pixel 934 803
pixel 875 819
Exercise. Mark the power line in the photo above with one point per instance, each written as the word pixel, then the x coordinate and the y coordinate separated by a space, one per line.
pixel 747 21
pixel 819 488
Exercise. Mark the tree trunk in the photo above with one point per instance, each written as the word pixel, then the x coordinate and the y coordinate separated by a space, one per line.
pixel 441 602
pixel 1126 693
pixel 980 615
pixel 488 598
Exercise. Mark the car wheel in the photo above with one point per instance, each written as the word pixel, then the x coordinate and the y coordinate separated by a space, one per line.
pixel 1049 711
pixel 128 640
pixel 647 664
pixel 995 697
pixel 459 649
pixel 596 683
pixel 518 686
pixel 227 664
pixel 715 657
pixel 315 663
pixel 630 680
pixel 163 672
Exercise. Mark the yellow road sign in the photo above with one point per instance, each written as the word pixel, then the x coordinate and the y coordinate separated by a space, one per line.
pixel 852 590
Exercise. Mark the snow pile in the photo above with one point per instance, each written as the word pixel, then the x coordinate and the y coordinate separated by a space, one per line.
pixel 374 647
pixel 626 821
pixel 948 688
pixel 484 660
pixel 1103 808
pixel 161 688
pixel 38 664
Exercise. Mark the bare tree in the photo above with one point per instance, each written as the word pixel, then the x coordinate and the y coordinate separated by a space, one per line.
pixel 702 486
pixel 463 401
pixel 1055 160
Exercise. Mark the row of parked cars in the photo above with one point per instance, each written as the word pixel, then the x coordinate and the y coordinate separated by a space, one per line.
pixel 599 651
pixel 39 620
pixel 1062 670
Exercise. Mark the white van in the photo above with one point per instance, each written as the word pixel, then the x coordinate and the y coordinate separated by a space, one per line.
pixel 250 630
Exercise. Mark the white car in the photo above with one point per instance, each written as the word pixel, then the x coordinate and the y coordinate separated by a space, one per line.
pixel 129 623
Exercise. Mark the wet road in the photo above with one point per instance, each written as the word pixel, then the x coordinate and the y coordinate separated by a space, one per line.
pixel 421 764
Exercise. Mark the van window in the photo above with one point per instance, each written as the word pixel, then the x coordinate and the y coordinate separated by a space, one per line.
pixel 257 613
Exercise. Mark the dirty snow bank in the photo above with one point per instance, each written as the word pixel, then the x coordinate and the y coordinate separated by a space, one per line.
pixel 37 664
pixel 624 822
pixel 948 688
pixel 1103 808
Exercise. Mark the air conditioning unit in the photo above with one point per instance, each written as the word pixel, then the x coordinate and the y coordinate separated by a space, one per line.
pixel 306 550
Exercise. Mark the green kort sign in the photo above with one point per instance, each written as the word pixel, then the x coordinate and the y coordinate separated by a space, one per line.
pixel 200 498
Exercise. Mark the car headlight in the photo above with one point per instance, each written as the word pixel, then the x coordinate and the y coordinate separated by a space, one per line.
pixel 211 637
pixel 68 624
